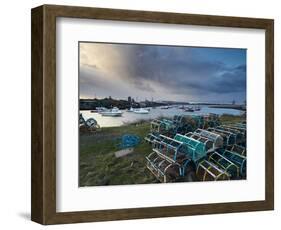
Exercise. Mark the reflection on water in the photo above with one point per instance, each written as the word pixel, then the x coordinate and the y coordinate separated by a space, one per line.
pixel 129 117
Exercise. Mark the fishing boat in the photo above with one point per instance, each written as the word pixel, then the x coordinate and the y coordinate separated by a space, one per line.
pixel 141 111
pixel 189 109
pixel 114 112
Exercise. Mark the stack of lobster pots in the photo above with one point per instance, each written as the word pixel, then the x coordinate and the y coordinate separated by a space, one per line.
pixel 189 149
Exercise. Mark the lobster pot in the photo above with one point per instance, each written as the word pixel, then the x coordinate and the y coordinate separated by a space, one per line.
pixel 81 119
pixel 187 124
pixel 199 121
pixel 241 127
pixel 152 160
pixel 190 134
pixel 128 141
pixel 238 149
pixel 151 137
pixel 194 149
pixel 178 119
pixel 238 160
pixel 90 124
pixel 155 126
pixel 171 171
pixel 163 126
pixel 168 124
pixel 214 137
pixel 228 137
pixel 207 171
pixel 225 164
pixel 240 137
pixel 208 143
pixel 159 126
pixel 242 130
pixel 162 169
pixel 168 148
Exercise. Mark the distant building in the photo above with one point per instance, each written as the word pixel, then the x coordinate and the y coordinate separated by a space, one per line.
pixel 142 104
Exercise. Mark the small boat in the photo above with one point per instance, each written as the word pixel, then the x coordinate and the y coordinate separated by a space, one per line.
pixel 189 109
pixel 114 112
pixel 141 111
pixel 100 109
pixel 197 108
pixel 165 107
pixel 131 110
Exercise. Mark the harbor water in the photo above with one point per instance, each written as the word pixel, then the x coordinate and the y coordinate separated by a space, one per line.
pixel 130 117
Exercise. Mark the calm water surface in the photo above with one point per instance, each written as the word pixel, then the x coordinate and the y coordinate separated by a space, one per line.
pixel 129 117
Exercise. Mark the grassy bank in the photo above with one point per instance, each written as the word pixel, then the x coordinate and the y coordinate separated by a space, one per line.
pixel 99 166
pixel 227 119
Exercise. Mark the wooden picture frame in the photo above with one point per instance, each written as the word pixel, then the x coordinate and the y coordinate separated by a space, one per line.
pixel 43 208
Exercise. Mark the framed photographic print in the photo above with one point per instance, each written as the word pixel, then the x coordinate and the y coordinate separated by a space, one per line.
pixel 141 114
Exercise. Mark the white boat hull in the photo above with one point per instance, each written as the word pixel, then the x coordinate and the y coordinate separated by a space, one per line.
pixel 115 112
pixel 141 112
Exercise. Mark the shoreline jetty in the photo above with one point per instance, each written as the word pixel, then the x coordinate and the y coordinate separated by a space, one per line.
pixel 238 107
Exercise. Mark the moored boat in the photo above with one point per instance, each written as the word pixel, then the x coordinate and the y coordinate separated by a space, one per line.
pixel 197 108
pixel 114 112
pixel 189 109
pixel 100 109
pixel 141 111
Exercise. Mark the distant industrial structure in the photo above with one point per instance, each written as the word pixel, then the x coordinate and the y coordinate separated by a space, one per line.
pixel 130 102
pixel 91 104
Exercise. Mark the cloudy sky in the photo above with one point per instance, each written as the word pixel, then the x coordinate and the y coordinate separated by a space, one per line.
pixel 162 72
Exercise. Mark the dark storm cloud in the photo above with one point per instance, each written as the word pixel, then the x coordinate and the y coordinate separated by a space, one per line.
pixel 184 70
pixel 202 73
pixel 228 80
